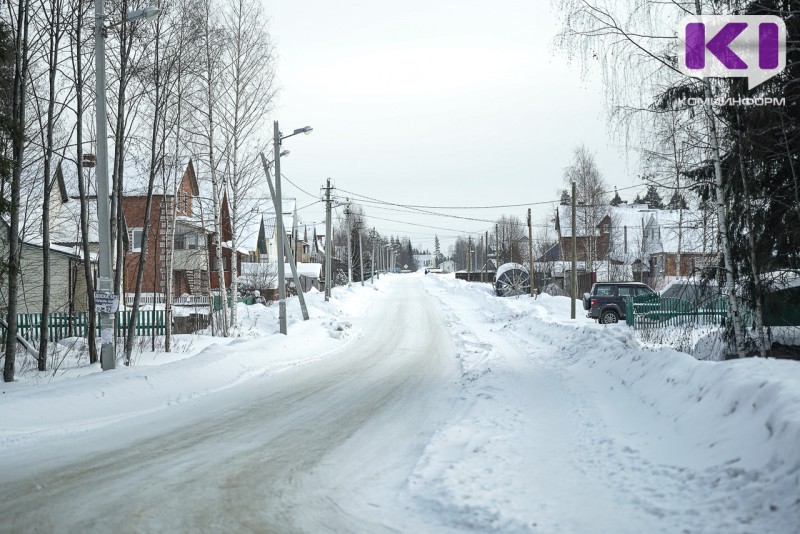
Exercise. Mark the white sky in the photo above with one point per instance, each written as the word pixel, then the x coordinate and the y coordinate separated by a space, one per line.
pixel 434 103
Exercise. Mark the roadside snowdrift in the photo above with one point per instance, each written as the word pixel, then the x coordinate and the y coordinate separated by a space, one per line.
pixel 694 445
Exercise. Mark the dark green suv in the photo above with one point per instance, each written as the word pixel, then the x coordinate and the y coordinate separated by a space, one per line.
pixel 606 301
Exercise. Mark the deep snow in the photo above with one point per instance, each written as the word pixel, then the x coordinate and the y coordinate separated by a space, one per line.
pixel 561 425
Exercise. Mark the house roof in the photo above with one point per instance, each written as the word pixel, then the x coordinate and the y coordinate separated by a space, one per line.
pixel 689 232
pixel 36 241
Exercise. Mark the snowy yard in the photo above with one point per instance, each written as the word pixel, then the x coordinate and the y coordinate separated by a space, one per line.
pixel 419 404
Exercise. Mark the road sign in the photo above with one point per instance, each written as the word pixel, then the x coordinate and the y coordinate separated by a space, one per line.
pixel 106 302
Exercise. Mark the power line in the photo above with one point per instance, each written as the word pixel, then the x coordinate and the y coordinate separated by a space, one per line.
pixel 477 207
pixel 297 186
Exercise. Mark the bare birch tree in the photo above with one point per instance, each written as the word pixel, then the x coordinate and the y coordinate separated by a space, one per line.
pixel 248 91
pixel 207 112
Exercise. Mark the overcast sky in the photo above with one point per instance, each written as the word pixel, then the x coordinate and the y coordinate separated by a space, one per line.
pixel 435 103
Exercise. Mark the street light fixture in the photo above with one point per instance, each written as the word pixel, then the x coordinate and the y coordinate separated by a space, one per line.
pixel 105 303
pixel 277 139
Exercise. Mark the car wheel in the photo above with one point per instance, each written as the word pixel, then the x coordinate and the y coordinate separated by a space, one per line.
pixel 609 317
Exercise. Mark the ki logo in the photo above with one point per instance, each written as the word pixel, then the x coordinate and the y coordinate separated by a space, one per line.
pixel 732 46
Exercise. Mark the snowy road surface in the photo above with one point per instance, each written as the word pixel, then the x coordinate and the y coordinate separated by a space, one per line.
pixel 449 410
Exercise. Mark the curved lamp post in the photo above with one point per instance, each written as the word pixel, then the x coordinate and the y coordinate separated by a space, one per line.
pixel 277 139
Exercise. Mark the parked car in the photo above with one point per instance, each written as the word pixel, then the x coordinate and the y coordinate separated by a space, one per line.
pixel 606 301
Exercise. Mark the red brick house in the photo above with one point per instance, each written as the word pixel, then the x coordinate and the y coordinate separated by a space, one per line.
pixel 178 224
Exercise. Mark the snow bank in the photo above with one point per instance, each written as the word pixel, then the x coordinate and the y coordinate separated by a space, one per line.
pixel 703 446
pixel 79 396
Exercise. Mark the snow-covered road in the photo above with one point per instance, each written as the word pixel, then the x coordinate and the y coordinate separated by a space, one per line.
pixel 322 448
pixel 423 404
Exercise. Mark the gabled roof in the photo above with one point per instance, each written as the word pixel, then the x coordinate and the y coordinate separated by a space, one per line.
pixel 670 230
pixel 36 241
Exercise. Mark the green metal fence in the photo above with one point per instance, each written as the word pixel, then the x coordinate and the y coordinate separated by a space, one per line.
pixel 218 301
pixel 650 311
pixel 63 325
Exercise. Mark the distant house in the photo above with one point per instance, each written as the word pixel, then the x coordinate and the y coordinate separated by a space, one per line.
pixel 67 279
pixel 425 261
pixel 181 224
pixel 634 242
pixel 178 228
pixel 448 266
pixel 589 242
pixel 673 234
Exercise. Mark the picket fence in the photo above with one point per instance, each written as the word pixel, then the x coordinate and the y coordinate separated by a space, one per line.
pixel 652 312
pixel 63 325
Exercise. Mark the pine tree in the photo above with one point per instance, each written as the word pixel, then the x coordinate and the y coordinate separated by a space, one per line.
pixel 616 201
pixel 677 202
pixel 638 199
pixel 653 199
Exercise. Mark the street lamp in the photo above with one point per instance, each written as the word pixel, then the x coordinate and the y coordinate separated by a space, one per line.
pixel 276 139
pixel 106 304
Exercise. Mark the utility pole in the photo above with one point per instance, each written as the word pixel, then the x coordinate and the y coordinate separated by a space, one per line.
pixel 287 247
pixel 276 140
pixel 469 256
pixel 530 253
pixel 497 245
pixel 480 246
pixel 372 263
pixel 360 257
pixel 574 277
pixel 328 241
pixel 104 281
pixel 349 253
pixel 486 263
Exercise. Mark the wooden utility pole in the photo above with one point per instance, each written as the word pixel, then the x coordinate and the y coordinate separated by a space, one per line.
pixel 469 256
pixel 574 277
pixel 496 246
pixel 486 263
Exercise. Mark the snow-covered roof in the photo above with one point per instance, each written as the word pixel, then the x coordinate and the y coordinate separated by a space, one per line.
pixel 309 270
pixel 626 230
pixel 686 229
pixel 65 221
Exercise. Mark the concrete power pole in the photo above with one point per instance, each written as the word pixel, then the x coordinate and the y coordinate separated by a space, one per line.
pixel 349 253
pixel 372 258
pixel 328 241
pixel 530 253
pixel 574 277
pixel 360 257
pixel 281 238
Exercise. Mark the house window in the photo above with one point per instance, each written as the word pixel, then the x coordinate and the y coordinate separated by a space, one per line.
pixel 136 239
pixel 606 228
pixel 193 241
pixel 226 264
